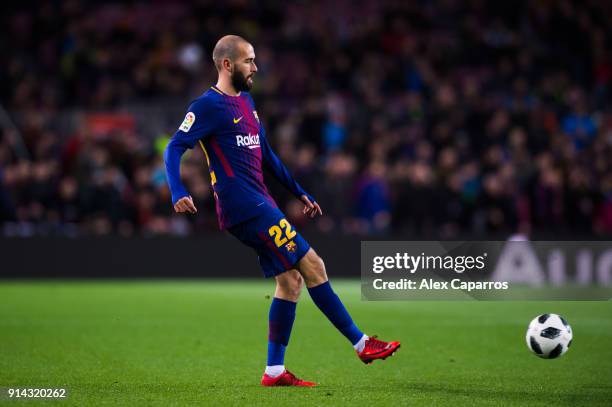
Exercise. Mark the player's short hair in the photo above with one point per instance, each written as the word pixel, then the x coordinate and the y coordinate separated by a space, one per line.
pixel 227 47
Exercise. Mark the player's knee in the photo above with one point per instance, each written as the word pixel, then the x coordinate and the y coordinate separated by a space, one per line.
pixel 289 285
pixel 318 264
pixel 296 287
pixel 312 268
pixel 299 283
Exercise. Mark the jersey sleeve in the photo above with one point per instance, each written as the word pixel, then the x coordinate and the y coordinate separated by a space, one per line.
pixel 199 122
pixel 278 169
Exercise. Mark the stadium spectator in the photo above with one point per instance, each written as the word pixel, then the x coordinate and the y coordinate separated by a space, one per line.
pixel 436 119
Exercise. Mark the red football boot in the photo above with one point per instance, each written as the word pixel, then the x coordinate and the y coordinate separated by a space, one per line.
pixel 285 379
pixel 376 349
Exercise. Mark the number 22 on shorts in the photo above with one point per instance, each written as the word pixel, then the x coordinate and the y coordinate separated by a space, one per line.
pixel 282 232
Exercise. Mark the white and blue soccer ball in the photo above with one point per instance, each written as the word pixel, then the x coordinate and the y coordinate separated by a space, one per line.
pixel 549 336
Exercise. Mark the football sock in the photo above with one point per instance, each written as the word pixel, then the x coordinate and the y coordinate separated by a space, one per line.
pixel 361 343
pixel 328 302
pixel 275 371
pixel 280 322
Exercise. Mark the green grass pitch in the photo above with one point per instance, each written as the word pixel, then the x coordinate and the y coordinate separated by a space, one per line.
pixel 203 343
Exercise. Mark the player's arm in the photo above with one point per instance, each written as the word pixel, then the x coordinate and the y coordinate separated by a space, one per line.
pixel 172 156
pixel 195 126
pixel 282 174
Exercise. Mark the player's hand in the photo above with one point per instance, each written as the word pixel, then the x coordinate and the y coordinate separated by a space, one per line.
pixel 185 204
pixel 311 209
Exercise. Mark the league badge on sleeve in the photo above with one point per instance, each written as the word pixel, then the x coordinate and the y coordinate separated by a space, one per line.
pixel 188 122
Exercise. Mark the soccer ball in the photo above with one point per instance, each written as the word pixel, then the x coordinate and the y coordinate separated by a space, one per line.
pixel 549 336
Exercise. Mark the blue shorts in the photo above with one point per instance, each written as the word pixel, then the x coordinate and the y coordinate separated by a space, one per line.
pixel 279 246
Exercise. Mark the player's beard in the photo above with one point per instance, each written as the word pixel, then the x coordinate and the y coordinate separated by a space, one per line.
pixel 240 82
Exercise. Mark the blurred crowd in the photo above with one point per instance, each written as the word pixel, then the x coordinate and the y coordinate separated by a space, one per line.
pixel 434 119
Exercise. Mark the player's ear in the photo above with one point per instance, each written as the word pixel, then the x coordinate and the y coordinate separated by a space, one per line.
pixel 227 64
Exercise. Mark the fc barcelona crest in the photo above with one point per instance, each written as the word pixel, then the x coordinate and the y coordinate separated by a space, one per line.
pixel 291 246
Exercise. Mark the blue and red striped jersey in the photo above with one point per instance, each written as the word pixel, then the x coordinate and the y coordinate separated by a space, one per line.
pixel 228 130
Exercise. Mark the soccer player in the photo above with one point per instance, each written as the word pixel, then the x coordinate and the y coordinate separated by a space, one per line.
pixel 224 123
